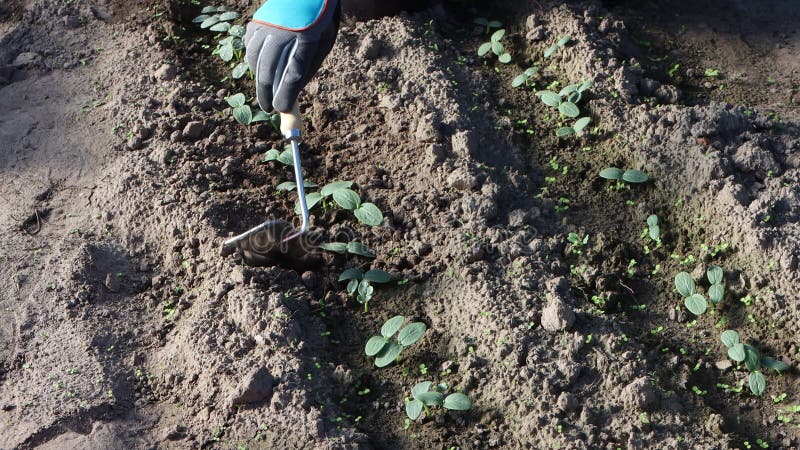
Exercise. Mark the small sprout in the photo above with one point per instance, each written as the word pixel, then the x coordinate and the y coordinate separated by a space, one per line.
pixel 581 123
pixel 489 24
pixel 354 248
pixel 577 242
pixel 242 112
pixel 524 77
pixel 359 285
pixel 628 176
pixel 496 47
pixel 712 73
pixel 757 383
pixel 684 284
pixel 561 43
pixel 653 228
pixel 716 292
pixel 387 349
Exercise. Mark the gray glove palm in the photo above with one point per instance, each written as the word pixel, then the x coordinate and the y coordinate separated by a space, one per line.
pixel 286 43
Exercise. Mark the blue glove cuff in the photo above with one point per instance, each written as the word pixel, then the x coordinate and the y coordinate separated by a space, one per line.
pixel 293 15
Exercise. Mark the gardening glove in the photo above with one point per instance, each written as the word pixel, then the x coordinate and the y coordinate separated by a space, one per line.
pixel 286 43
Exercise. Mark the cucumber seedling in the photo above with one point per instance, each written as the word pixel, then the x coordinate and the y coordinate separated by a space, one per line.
pixel 359 285
pixel 653 230
pixel 387 347
pixel 695 302
pixel 566 101
pixel 242 112
pixel 740 352
pixel 496 47
pixel 353 248
pixel 525 77
pixel 621 176
pixel 231 47
pixel 366 213
pixel 422 397
pixel 489 24
pixel 561 43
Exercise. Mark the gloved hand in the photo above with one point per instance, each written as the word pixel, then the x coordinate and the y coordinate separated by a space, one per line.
pixel 286 43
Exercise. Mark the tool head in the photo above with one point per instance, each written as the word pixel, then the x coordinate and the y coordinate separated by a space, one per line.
pixel 275 243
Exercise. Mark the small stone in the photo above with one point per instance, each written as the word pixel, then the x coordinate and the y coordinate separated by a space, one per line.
pixel 723 364
pixel 475 253
pixel 193 130
pixel 557 315
pixel 369 49
pixel 112 282
pixel 462 180
pixel 134 143
pixel 255 387
pixel 310 279
pixel 638 394
pixel 463 143
pixel 26 59
pixel 567 402
pixel 517 218
pixel 166 72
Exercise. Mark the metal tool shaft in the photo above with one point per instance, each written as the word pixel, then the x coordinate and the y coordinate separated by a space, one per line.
pixel 293 137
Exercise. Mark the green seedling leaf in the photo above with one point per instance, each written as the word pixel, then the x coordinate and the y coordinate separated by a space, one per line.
pixel 411 333
pixel 209 9
pixel 696 303
pixel 243 114
pixel 391 326
pixel 497 35
pixel 652 220
pixel 357 248
pixel 211 21
pixel 414 409
pixel 365 291
pixel 568 89
pixel 457 402
pixel 736 352
pixel 260 116
pixel 221 27
pixel 369 214
pixel 774 364
pixel 495 24
pixel 505 58
pixel 352 286
pixel 716 293
pixel 564 41
pixel 531 71
pixel 239 71
pixel 347 199
pixel 351 274
pixel 611 173
pixel 336 247
pixel 635 176
pixel 420 388
pixel 230 15
pixel 550 50
pixel 714 274
pixel 586 85
pixel 752 360
pixel 575 97
pixel 481 21
pixel 582 123
pixel 287 159
pixel 286 186
pixel 237 31
pixel 565 131
pixel 549 98
pixel 331 188
pixel 498 48
pixel 236 100
pixel 431 398
pixel 757 383
pixel 389 354
pixel 484 48
pixel 684 284
pixel 729 338
pixel 655 232
pixel 226 52
pixel 377 276
pixel 569 109
pixel 375 344
pixel 519 80
pixel 200 18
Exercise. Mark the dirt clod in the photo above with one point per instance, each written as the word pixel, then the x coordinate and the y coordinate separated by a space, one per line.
pixel 557 315
pixel 255 387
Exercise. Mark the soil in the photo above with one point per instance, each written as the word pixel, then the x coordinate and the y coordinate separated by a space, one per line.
pixel 122 326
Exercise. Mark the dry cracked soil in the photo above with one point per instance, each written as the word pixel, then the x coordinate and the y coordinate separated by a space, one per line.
pixel 547 299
